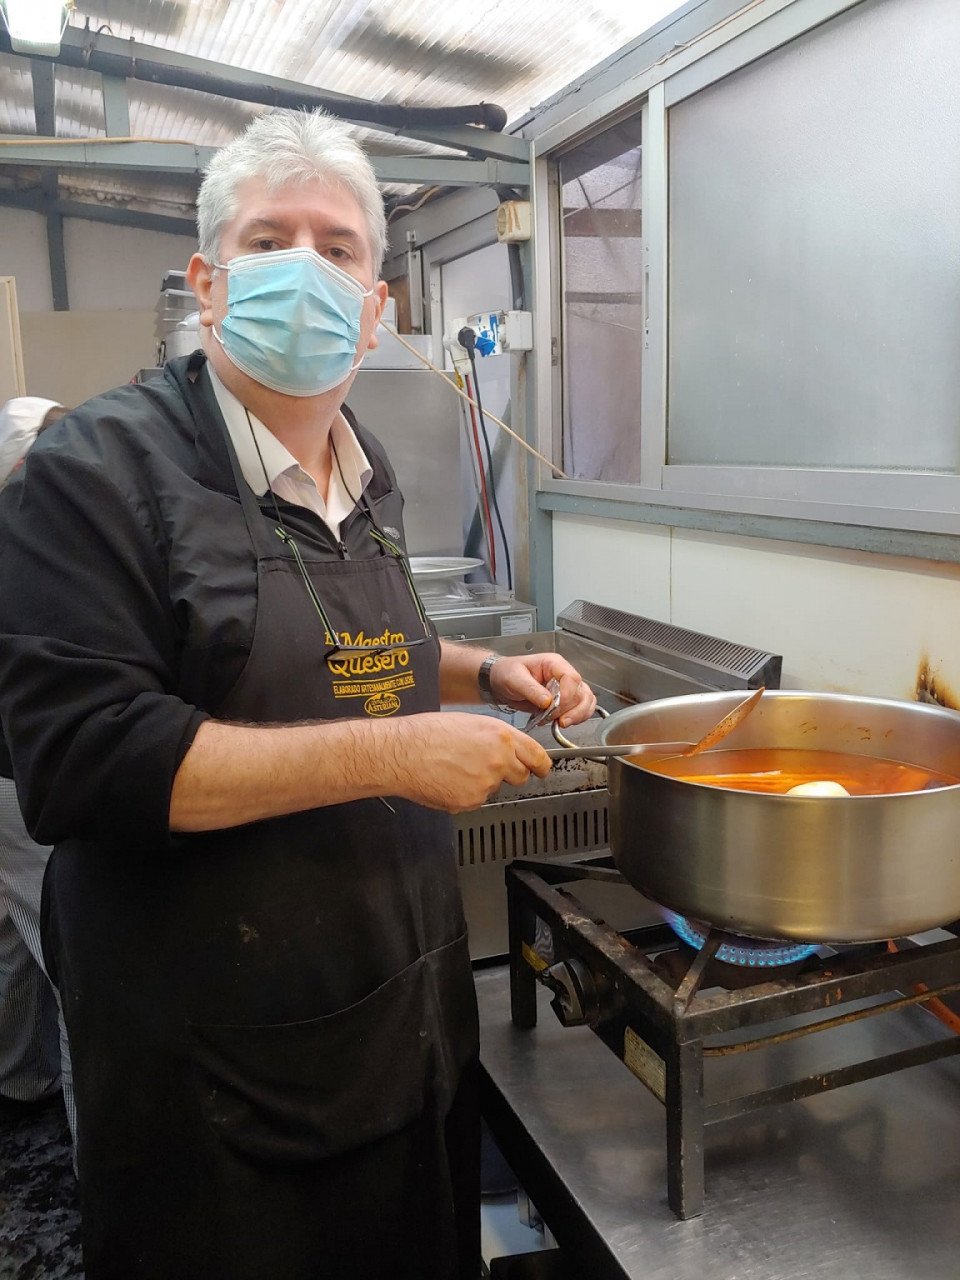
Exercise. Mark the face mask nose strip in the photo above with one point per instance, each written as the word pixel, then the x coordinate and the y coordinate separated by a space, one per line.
pixel 248 261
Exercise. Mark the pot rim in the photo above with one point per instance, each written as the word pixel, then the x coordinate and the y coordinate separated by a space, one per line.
pixel 934 711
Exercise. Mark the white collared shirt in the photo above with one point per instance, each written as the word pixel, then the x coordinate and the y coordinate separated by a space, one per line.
pixel 284 474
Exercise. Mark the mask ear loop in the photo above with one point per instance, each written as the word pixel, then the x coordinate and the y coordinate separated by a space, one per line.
pixel 225 266
pixel 367 293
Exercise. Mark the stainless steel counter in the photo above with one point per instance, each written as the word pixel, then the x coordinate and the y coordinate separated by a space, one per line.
pixel 859 1184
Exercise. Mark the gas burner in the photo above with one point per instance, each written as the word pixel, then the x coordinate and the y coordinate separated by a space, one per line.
pixel 749 953
pixel 661 1004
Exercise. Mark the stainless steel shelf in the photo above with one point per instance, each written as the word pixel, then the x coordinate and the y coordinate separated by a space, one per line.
pixel 858 1184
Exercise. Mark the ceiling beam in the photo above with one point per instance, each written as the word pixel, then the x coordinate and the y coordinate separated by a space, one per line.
pixel 116 108
pixel 43 75
pixel 455 127
pixel 183 157
pixel 96 153
pixel 34 202
pixel 476 142
pixel 44 96
pixel 58 262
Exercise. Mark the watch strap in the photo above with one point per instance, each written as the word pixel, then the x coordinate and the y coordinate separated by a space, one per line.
pixel 483 682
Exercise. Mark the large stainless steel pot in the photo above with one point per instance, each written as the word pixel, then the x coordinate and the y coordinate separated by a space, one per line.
pixel 811 869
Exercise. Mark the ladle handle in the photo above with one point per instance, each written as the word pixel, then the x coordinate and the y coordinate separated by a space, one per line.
pixel 659 750
pixel 564 740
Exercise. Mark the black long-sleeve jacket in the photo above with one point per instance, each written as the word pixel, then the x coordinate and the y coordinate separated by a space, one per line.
pixel 128 601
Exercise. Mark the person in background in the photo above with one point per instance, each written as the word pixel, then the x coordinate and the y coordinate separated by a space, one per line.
pixel 34 1058
pixel 221 694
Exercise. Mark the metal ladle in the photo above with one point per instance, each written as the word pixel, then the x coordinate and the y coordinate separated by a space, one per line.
pixel 658 750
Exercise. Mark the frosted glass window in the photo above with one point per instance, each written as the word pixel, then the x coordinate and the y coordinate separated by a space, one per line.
pixel 602 273
pixel 814 278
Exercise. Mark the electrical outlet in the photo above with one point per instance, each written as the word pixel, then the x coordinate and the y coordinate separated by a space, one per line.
pixel 502 331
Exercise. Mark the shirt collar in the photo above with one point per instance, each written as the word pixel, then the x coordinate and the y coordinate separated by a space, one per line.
pixel 277 458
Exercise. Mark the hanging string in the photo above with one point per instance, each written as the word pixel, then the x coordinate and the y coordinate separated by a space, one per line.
pixel 470 400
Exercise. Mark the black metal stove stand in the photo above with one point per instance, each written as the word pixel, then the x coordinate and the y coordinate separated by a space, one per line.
pixel 657 1021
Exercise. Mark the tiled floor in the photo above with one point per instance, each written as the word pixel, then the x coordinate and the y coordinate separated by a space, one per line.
pixel 39 1219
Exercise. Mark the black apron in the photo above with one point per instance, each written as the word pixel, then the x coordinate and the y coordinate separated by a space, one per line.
pixel 274 1026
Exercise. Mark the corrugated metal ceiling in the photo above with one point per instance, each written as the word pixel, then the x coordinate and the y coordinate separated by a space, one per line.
pixel 516 53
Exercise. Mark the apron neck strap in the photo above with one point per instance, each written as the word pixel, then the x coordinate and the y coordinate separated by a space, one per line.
pixel 252 515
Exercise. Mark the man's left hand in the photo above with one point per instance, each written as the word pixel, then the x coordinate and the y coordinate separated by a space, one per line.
pixel 521 683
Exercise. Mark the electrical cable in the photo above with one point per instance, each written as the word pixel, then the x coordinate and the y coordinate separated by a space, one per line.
pixel 486 518
pixel 478 518
pixel 516 276
pixel 412 208
pixel 468 340
pixel 478 477
pixel 492 482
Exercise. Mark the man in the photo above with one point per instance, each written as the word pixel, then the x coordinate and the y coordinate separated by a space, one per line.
pixel 222 699
pixel 34 1061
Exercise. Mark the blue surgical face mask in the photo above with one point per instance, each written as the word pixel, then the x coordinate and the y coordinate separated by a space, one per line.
pixel 293 320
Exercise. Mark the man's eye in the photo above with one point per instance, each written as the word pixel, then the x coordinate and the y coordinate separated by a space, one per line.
pixel 342 255
pixel 265 246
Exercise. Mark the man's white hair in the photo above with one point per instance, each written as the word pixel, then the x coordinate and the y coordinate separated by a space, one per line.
pixel 284 147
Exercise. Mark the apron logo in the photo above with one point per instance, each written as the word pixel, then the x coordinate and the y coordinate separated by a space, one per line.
pixel 382 704
pixel 376 671
pixel 357 666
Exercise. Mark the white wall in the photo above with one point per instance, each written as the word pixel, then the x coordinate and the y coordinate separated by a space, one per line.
pixel 23 255
pixel 108 267
pixel 844 620
pixel 114 276
pixel 480 281
pixel 119 267
pixel 70 356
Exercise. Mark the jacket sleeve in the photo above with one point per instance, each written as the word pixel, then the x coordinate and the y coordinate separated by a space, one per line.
pixel 88 659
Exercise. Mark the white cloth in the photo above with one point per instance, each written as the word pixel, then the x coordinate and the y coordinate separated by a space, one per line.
pixel 20 421
pixel 32 1062
pixel 350 473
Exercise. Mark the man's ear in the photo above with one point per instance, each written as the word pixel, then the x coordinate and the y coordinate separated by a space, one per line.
pixel 200 278
pixel 381 291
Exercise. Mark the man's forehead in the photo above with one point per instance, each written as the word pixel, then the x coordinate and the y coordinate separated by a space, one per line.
pixel 326 207
pixel 264 220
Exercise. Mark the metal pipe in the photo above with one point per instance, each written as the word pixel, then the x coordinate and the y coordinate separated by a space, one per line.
pixel 87 51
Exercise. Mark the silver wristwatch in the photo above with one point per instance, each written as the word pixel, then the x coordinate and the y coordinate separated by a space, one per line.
pixel 483 682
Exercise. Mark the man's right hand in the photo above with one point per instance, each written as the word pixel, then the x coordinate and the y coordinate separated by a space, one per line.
pixel 454 760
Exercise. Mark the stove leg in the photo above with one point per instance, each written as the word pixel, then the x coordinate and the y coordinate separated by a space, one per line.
pixel 684 1103
pixel 523 980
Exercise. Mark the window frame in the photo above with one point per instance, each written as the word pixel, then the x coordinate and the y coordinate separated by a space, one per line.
pixel 920 512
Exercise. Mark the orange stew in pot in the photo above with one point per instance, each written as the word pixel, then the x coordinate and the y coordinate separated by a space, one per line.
pixel 775 770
